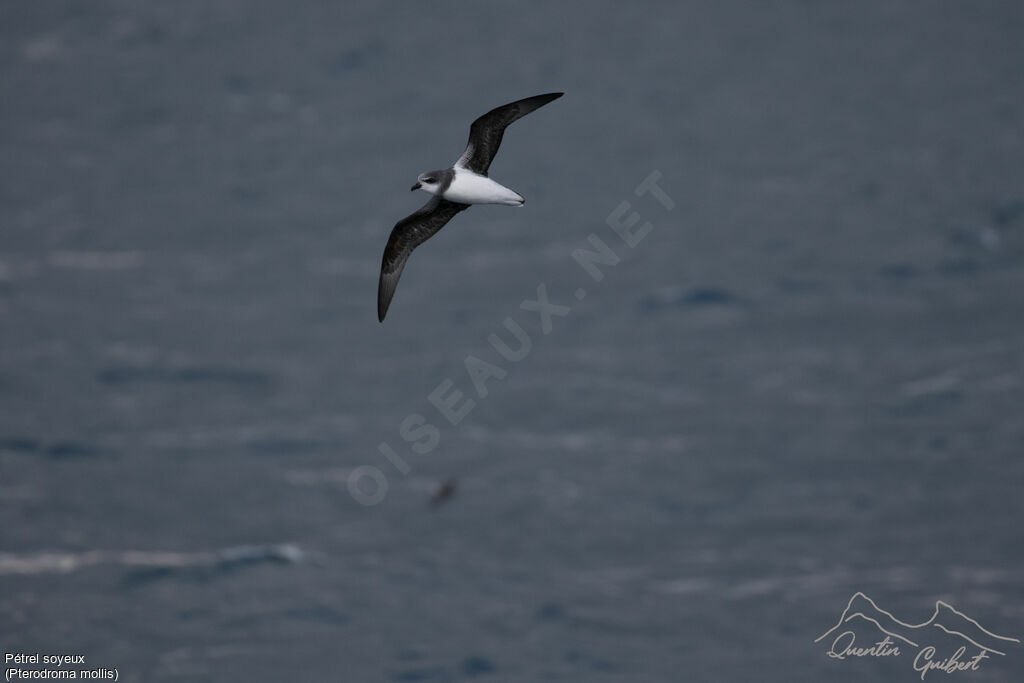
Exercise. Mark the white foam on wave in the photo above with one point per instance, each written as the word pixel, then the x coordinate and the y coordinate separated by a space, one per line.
pixel 67 562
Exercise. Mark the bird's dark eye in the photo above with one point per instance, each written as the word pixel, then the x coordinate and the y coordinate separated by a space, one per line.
pixel 428 180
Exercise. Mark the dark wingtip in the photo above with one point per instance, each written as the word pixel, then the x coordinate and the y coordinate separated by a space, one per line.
pixel 540 100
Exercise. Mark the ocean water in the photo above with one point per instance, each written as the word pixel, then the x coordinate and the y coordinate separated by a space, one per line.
pixel 803 380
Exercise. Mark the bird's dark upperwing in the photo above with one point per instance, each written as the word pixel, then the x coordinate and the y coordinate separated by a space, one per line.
pixel 486 132
pixel 409 233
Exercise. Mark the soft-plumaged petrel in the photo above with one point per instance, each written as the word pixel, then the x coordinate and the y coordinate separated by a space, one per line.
pixel 453 190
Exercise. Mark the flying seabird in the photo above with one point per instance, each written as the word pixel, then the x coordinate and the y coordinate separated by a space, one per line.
pixel 453 190
pixel 444 492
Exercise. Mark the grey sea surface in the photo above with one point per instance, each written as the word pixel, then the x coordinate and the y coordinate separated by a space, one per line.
pixel 805 380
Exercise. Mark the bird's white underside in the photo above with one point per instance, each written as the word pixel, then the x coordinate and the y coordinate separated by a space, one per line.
pixel 471 188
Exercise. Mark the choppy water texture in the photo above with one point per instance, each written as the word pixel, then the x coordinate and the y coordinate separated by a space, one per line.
pixel 805 381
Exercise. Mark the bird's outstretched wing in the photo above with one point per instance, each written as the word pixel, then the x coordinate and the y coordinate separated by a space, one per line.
pixel 409 233
pixel 486 132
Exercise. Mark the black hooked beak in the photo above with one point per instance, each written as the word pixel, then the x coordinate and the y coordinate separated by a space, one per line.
pixel 416 187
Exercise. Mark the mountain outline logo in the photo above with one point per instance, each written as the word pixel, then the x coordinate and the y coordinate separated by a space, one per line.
pixel 944 630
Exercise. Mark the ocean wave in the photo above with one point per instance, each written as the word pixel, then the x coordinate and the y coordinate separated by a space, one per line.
pixel 147 562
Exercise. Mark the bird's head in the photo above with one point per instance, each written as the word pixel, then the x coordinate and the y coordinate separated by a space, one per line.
pixel 428 182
